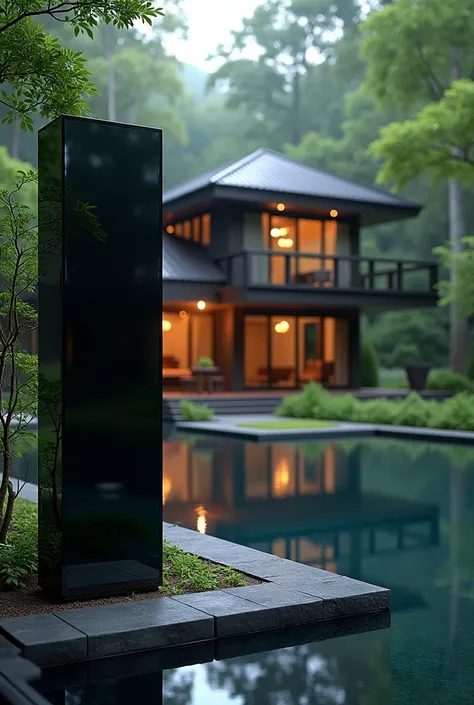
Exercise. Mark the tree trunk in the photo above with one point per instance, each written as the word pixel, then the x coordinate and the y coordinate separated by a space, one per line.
pixel 459 333
pixel 296 116
pixel 111 90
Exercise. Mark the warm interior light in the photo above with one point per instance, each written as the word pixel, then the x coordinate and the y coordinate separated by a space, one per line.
pixel 281 478
pixel 166 488
pixel 183 314
pixel 281 207
pixel 285 242
pixel 333 213
pixel 166 325
pixel 279 232
pixel 201 305
pixel 170 229
pixel 282 327
pixel 201 521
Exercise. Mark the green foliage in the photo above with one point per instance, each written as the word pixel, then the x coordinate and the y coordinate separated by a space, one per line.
pixel 19 553
pixel 369 368
pixel 449 381
pixel 205 362
pixel 194 412
pixel 456 413
pixel 185 572
pixel 425 143
pixel 462 289
pixel 38 73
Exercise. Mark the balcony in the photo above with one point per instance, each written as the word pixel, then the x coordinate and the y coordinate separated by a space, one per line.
pixel 371 279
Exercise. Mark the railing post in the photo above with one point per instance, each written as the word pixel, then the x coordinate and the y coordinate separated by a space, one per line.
pixel 246 271
pixel 336 272
pixel 287 269
pixel 400 276
pixel 371 274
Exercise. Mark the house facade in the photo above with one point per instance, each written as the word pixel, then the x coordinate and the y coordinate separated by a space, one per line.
pixel 262 272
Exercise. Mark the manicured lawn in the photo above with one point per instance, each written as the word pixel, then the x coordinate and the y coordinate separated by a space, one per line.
pixel 288 425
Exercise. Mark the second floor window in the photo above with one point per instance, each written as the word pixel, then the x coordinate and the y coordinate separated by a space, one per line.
pixel 196 229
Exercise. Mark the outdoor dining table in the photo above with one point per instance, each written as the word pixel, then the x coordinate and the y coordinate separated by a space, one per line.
pixel 204 377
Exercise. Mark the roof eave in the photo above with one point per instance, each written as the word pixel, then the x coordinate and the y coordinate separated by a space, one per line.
pixel 405 209
pixel 188 200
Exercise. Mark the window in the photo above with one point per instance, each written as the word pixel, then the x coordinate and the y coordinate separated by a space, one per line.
pixel 197 229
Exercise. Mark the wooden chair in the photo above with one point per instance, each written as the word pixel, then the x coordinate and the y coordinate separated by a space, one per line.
pixel 217 383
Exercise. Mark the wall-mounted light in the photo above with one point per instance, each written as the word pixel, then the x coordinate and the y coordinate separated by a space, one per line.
pixel 201 305
pixel 166 325
pixel 183 314
pixel 333 213
pixel 285 243
pixel 282 327
pixel 170 229
pixel 281 206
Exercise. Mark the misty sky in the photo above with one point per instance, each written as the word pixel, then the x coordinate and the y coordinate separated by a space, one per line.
pixel 210 23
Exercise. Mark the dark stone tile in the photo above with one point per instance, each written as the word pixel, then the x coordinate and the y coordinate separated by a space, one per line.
pixel 272 595
pixel 46 639
pixel 342 596
pixel 272 567
pixel 235 615
pixel 137 626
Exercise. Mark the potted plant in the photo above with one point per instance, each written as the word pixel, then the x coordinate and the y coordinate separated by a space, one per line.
pixel 417 374
pixel 205 362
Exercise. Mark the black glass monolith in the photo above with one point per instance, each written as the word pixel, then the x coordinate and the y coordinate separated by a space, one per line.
pixel 100 313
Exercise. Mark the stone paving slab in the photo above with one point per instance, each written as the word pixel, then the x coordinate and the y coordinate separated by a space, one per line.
pixel 289 595
pixel 45 639
pixel 148 624
pixel 229 425
pixel 235 615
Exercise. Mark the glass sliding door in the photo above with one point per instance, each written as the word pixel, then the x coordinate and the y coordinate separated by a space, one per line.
pixel 202 337
pixel 283 351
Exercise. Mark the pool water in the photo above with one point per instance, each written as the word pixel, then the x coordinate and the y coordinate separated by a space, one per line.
pixel 394 513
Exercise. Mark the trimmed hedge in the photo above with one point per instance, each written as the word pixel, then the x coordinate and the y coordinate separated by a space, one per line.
pixel 314 402
pixel 195 412
pixel 445 380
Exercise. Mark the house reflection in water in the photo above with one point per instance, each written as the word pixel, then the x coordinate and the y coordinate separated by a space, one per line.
pixel 299 501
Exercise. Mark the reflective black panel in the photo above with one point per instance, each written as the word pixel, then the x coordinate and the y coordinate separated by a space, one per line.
pixel 100 294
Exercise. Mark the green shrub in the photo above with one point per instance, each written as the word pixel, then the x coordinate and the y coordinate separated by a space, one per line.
pixel 455 414
pixel 195 412
pixel 301 405
pixel 337 408
pixel 445 380
pixel 470 367
pixel 415 411
pixel 378 411
pixel 369 368
pixel 205 362
pixel 19 555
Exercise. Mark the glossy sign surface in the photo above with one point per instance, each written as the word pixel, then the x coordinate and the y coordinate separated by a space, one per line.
pixel 100 294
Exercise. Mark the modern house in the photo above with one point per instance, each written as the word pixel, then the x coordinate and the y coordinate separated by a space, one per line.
pixel 262 272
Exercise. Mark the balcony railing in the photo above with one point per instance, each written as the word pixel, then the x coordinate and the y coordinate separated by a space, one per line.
pixel 295 269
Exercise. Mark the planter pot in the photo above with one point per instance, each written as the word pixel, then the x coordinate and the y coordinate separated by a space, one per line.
pixel 417 376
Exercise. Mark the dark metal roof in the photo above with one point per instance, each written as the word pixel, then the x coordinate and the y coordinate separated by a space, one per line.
pixel 265 170
pixel 188 261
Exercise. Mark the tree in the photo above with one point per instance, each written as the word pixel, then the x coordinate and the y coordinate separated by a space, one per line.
pixel 417 52
pixel 42 75
pixel 461 289
pixel 292 36
pixel 18 369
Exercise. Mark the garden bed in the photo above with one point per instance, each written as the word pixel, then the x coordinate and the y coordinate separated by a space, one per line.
pixel 183 573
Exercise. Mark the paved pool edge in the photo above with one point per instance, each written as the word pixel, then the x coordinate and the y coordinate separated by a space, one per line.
pixel 221 427
pixel 291 595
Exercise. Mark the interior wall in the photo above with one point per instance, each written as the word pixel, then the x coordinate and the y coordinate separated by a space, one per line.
pixel 176 340
pixel 202 337
pixel 255 350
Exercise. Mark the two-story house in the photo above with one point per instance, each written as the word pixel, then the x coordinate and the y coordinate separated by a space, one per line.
pixel 262 273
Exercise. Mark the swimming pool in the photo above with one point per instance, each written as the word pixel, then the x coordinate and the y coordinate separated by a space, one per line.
pixel 394 513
